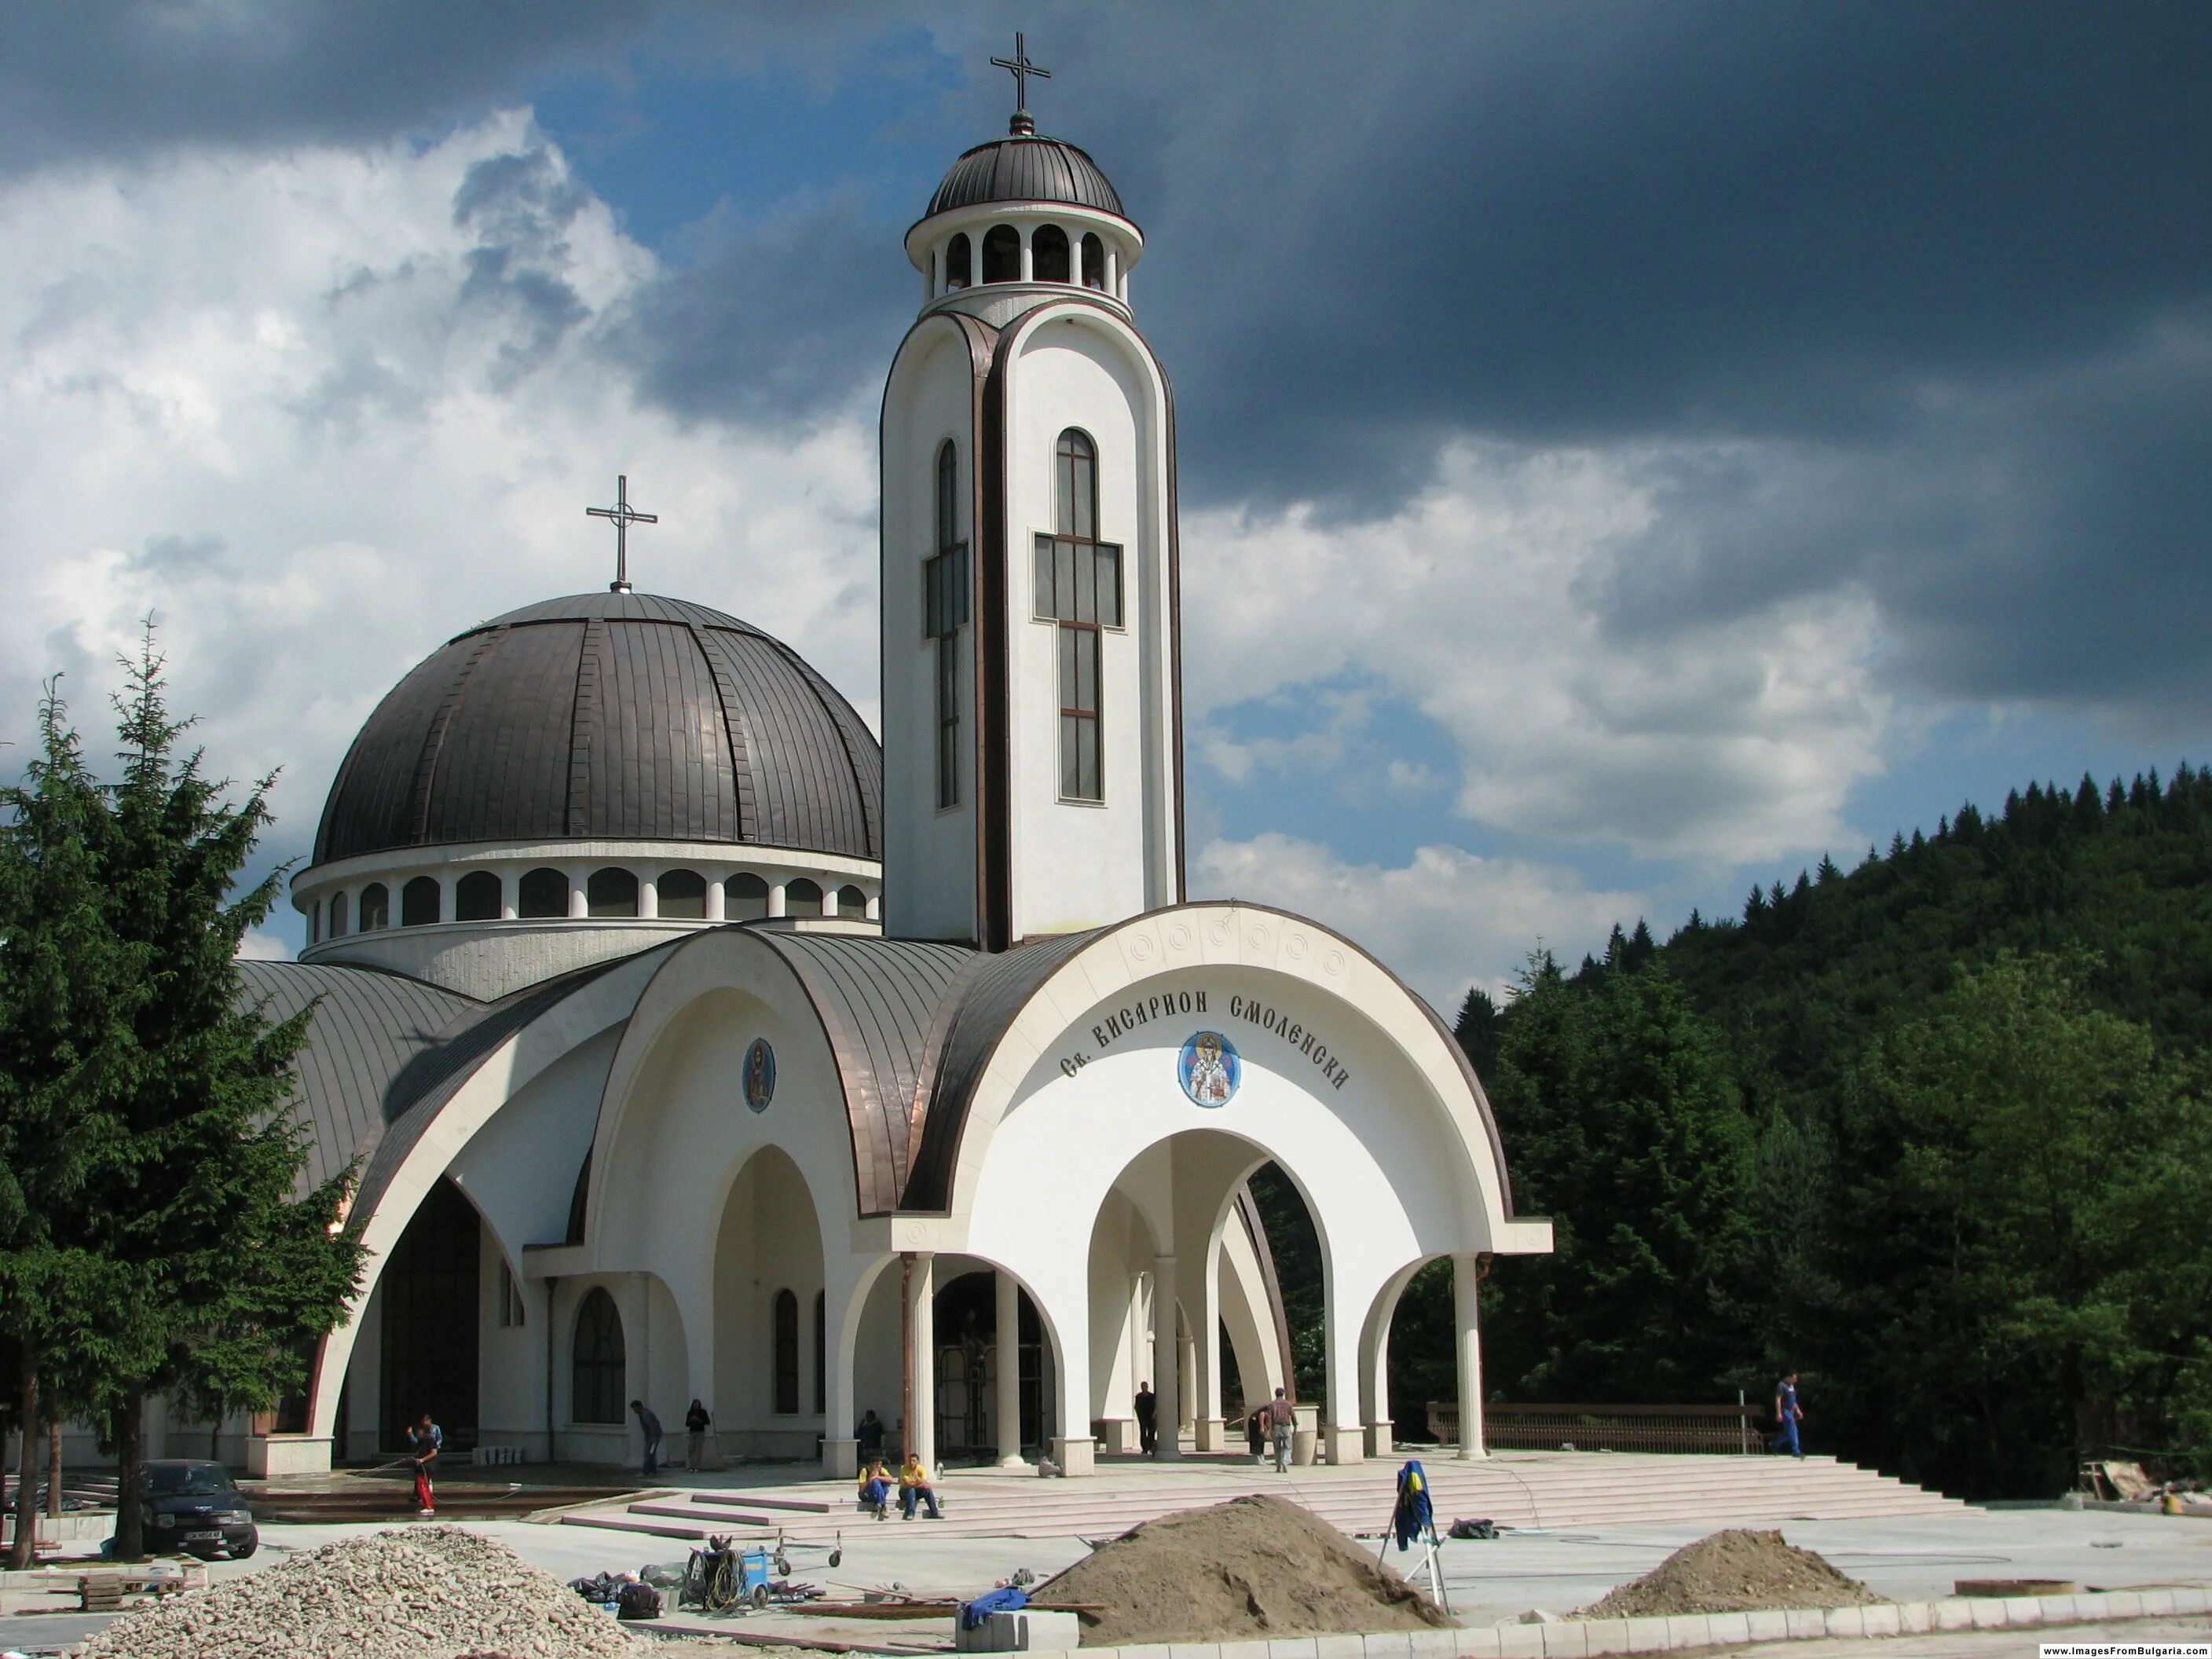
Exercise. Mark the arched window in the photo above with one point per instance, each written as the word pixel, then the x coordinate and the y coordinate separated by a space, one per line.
pixel 821 1352
pixel 375 907
pixel 852 901
pixel 1079 585
pixel 683 895
pixel 611 892
pixel 945 606
pixel 476 896
pixel 1048 253
pixel 543 893
pixel 1002 254
pixel 958 273
pixel 786 1354
pixel 420 901
pixel 802 898
pixel 596 1380
pixel 746 898
pixel 1094 260
pixel 337 915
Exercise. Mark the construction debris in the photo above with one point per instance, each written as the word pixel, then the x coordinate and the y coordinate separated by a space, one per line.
pixel 424 1593
pixel 1738 1570
pixel 1253 1567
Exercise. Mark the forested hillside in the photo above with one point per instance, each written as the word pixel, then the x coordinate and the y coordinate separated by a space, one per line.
pixel 1935 1132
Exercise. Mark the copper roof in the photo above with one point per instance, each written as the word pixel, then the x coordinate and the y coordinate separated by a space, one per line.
pixel 1023 167
pixel 609 716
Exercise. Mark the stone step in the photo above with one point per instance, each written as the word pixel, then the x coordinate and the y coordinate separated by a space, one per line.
pixel 762 1501
pixel 709 1515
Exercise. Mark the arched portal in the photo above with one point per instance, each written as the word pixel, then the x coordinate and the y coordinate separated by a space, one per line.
pixel 429 1295
pixel 1179 1279
pixel 768 1267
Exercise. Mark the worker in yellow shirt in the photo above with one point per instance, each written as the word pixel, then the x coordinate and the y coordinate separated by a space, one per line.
pixel 914 1488
pixel 876 1489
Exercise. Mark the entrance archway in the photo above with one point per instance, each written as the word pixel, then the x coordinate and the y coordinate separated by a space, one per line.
pixel 768 1276
pixel 1180 1279
pixel 429 1294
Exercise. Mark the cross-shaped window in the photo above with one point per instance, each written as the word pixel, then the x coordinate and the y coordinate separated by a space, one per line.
pixel 945 609
pixel 1079 585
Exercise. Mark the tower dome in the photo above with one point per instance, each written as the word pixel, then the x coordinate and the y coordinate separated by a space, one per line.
pixel 571 780
pixel 1024 167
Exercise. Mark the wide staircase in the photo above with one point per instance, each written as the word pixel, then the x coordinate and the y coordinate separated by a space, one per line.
pixel 1515 1489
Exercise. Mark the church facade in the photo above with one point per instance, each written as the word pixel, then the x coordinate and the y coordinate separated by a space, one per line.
pixel 691 1045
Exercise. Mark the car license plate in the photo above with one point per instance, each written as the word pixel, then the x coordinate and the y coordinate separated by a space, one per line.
pixel 201 1537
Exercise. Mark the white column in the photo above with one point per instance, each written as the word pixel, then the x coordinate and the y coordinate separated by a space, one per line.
pixel 1029 256
pixel 775 899
pixel 1167 1415
pixel 875 907
pixel 579 903
pixel 1186 1379
pixel 1008 1405
pixel 509 887
pixel 446 880
pixel 649 896
pixel 1467 1296
pixel 1113 269
pixel 921 1428
pixel 715 901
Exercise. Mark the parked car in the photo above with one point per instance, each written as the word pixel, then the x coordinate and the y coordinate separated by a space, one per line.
pixel 193 1506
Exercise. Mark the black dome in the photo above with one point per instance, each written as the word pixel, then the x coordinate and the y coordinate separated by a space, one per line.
pixel 1023 167
pixel 609 716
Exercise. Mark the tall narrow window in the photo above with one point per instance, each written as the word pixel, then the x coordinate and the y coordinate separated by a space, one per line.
pixel 956 268
pixel 1002 254
pixel 476 896
pixel 944 612
pixel 1094 260
pixel 337 915
pixel 595 1382
pixel 375 907
pixel 787 1353
pixel 420 901
pixel 747 899
pixel 1048 253
pixel 1079 585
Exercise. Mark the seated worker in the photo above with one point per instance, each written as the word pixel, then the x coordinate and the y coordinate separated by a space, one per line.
pixel 876 1489
pixel 914 1488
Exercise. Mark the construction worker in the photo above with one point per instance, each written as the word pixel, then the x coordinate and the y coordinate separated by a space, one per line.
pixel 1148 1419
pixel 424 1442
pixel 1280 1418
pixel 914 1488
pixel 876 1489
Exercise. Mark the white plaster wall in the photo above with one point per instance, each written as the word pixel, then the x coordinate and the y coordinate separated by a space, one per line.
pixel 770 1240
pixel 1079 865
pixel 1376 1159
pixel 365 1381
pixel 510 1359
pixel 929 853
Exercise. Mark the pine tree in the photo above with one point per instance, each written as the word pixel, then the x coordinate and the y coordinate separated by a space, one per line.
pixel 66 985
pixel 1477 1028
pixel 239 1273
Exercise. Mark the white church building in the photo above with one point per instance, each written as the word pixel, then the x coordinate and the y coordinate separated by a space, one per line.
pixel 692 1044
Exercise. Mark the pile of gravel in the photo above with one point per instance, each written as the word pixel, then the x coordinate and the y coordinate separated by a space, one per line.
pixel 424 1593
pixel 1739 1571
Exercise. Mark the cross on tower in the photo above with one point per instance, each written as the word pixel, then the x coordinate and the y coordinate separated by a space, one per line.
pixel 1021 68
pixel 625 516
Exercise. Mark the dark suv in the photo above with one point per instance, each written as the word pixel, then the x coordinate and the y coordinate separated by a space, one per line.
pixel 191 1506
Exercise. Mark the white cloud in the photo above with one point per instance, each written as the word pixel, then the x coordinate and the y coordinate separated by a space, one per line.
pixel 258 945
pixel 1481 604
pixel 1445 921
pixel 320 410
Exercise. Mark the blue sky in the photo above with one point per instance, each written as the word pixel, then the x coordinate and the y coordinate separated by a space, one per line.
pixel 1627 451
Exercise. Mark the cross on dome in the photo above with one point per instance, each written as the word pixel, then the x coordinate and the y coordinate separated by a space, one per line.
pixel 624 515
pixel 1021 68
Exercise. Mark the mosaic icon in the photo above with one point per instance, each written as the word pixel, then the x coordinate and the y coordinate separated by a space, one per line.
pixel 1209 1068
pixel 760 1075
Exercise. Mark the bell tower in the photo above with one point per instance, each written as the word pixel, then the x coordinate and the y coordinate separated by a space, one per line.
pixel 1031 679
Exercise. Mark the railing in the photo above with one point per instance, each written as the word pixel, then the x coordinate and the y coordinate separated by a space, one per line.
pixel 1606 1428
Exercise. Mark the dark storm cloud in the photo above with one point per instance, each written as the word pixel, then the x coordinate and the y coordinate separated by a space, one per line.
pixel 119 80
pixel 776 323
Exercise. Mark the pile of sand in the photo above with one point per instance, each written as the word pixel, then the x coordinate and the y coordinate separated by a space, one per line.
pixel 1733 1571
pixel 1251 1567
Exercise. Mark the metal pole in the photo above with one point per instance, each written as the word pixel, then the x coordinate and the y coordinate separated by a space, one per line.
pixel 906 1351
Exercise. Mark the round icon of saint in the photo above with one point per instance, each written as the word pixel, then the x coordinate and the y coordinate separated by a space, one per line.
pixel 1209 1068
pixel 760 1075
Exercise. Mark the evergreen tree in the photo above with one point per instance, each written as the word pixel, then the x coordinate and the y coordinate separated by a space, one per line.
pixel 1626 1129
pixel 66 985
pixel 1477 1028
pixel 239 1272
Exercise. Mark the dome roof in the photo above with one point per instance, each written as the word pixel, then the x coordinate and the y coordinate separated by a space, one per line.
pixel 609 716
pixel 1024 168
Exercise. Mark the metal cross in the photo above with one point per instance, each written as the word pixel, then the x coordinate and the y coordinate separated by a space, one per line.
pixel 1023 69
pixel 625 516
